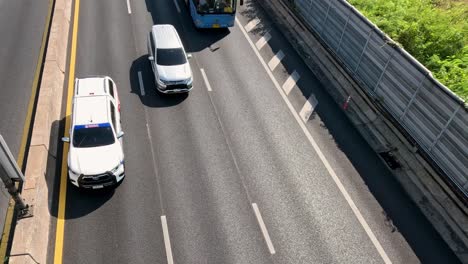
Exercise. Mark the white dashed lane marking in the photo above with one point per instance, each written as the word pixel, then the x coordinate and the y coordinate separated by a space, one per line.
pixel 291 82
pixel 271 248
pixel 276 60
pixel 208 86
pixel 252 24
pixel 319 152
pixel 140 81
pixel 263 40
pixel 167 240
pixel 129 8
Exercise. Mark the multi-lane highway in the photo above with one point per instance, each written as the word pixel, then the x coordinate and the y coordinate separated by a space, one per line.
pixel 22 27
pixel 232 172
pixel 22 24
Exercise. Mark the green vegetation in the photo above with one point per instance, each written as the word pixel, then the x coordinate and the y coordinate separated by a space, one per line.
pixel 435 32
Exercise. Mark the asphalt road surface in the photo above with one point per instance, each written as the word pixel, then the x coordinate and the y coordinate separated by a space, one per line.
pixel 22 23
pixel 229 169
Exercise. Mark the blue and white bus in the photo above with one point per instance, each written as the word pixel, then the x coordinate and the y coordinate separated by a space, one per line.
pixel 213 13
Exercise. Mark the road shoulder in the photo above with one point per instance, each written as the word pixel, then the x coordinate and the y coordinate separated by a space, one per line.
pixel 420 181
pixel 31 237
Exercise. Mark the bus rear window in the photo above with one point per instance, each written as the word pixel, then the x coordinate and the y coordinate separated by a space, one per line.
pixel 215 6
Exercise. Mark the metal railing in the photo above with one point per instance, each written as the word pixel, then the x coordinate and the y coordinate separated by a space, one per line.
pixel 4 203
pixel 434 117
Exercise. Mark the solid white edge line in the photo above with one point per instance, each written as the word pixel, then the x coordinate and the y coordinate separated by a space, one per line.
pixel 129 8
pixel 167 240
pixel 208 86
pixel 263 229
pixel 140 81
pixel 177 6
pixel 330 170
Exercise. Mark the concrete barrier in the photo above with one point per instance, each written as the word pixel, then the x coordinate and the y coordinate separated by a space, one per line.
pixel 423 184
pixel 31 235
pixel 4 204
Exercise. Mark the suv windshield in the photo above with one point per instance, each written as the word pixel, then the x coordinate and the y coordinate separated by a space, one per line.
pixel 94 135
pixel 170 57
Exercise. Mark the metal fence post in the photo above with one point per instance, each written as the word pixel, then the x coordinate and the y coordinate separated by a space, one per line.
pixel 326 17
pixel 344 29
pixel 310 6
pixel 363 50
pixel 436 140
pixel 9 173
pixel 412 99
pixel 13 191
pixel 384 70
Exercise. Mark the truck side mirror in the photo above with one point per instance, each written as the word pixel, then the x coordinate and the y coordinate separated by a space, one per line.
pixel 120 134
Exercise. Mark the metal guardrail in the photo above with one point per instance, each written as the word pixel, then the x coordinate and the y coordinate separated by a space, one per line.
pixel 431 114
pixel 4 203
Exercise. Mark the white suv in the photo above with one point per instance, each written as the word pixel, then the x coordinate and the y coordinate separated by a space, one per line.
pixel 169 61
pixel 96 157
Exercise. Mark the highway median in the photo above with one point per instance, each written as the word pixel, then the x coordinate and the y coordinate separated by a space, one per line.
pixel 31 235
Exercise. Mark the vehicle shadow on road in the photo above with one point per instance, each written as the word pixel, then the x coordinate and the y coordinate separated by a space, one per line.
pixel 250 11
pixel 194 39
pixel 79 203
pixel 142 84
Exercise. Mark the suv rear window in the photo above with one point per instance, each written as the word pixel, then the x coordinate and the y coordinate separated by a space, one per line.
pixel 93 135
pixel 170 57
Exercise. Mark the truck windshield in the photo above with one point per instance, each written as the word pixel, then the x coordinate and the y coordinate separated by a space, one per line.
pixel 216 6
pixel 94 135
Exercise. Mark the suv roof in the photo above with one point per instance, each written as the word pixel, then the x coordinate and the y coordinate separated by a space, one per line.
pixel 91 110
pixel 91 86
pixel 166 37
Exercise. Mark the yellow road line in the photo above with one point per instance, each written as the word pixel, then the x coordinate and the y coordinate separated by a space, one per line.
pixel 58 254
pixel 27 126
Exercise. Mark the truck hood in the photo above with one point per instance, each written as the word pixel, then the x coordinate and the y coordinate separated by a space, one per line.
pixel 90 161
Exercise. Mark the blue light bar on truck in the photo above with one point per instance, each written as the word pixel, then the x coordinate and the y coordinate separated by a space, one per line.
pixel 92 125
